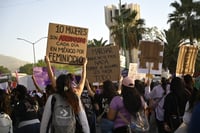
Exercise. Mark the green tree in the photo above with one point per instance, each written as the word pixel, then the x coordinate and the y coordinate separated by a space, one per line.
pixel 132 28
pixel 41 63
pixel 171 50
pixel 186 19
pixel 4 70
pixel 28 69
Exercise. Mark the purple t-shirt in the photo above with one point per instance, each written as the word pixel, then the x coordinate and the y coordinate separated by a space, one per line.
pixel 118 105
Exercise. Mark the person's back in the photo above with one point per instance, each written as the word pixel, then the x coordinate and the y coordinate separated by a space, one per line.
pixel 194 106
pixel 103 100
pixel 62 108
pixel 5 123
pixel 89 110
pixel 174 105
pixel 123 109
pixel 63 118
pixel 5 120
pixel 68 88
pixel 117 104
pixel 194 125
pixel 26 112
pixel 58 116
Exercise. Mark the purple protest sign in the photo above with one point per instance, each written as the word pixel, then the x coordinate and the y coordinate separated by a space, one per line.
pixel 41 76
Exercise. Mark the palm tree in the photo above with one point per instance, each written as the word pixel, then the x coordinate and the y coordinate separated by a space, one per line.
pixel 97 43
pixel 185 21
pixel 153 33
pixel 171 50
pixel 186 18
pixel 133 29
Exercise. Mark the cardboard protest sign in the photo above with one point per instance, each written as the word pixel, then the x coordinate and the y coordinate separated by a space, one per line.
pixel 186 59
pixel 103 64
pixel 150 57
pixel 133 72
pixel 66 44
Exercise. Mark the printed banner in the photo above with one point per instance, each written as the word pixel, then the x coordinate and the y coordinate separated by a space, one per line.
pixel 103 64
pixel 150 57
pixel 186 59
pixel 66 44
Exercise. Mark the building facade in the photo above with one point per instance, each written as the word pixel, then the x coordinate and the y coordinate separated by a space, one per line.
pixel 113 11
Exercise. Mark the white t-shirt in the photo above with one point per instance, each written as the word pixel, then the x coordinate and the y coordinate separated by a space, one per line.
pixel 157 93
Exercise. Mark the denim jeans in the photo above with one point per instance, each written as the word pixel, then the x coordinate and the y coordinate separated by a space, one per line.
pixel 106 126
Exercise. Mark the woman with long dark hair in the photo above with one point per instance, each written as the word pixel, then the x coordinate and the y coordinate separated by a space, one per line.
pixel 69 91
pixel 102 101
pixel 125 106
pixel 192 94
pixel 174 105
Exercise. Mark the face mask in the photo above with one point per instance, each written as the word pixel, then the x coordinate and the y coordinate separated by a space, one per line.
pixel 73 84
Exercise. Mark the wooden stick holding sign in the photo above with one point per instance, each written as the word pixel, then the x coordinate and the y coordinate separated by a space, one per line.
pixel 149 75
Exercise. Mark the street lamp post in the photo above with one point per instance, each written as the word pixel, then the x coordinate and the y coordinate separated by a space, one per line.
pixel 33 44
pixel 123 34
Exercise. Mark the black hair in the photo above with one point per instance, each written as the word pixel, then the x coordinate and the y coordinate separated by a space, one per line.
pixel 131 99
pixel 109 90
pixel 140 86
pixel 164 84
pixel 22 91
pixel 178 89
pixel 188 80
pixel 2 100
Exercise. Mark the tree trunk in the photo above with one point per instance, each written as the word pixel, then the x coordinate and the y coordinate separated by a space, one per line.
pixel 134 55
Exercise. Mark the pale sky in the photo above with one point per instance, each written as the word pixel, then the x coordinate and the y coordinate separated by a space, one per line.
pixel 29 19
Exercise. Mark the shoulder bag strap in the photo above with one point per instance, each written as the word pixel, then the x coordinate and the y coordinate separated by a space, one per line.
pixel 126 121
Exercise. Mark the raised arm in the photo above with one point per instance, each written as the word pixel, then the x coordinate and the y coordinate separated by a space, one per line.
pixel 79 88
pixel 90 92
pixel 50 72
pixel 119 89
pixel 36 85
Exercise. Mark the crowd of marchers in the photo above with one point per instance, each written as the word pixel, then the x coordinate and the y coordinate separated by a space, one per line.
pixel 68 105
